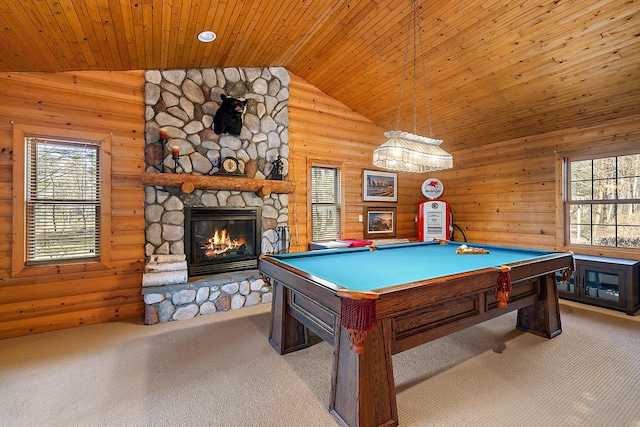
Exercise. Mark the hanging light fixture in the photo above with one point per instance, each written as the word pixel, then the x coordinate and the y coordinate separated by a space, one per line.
pixel 409 152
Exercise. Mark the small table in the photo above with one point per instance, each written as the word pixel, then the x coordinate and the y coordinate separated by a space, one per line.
pixel 371 303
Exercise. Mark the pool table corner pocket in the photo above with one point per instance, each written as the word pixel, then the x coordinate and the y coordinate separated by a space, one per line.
pixel 357 316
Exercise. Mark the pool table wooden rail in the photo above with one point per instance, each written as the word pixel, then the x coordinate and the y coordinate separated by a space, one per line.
pixel 363 386
pixel 426 304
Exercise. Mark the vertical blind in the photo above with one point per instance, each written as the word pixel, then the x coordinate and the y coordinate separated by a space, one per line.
pixel 62 200
pixel 325 203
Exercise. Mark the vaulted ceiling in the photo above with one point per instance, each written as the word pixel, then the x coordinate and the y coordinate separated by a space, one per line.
pixel 494 69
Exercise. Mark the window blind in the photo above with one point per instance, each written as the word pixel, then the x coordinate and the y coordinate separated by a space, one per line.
pixel 325 203
pixel 62 200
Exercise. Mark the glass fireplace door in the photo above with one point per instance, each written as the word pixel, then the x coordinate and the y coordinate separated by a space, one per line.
pixel 221 240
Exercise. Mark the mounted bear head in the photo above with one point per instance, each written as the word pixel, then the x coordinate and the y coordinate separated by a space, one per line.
pixel 228 118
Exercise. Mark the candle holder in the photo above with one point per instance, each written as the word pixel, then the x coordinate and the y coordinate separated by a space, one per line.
pixel 155 152
pixel 175 155
pixel 162 140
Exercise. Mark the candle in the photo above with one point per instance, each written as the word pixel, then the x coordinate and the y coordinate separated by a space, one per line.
pixel 163 133
pixel 175 151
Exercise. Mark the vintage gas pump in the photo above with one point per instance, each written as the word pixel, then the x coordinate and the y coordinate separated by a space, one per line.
pixel 434 219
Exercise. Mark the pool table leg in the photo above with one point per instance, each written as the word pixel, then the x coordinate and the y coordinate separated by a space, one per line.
pixel 362 385
pixel 286 334
pixel 543 317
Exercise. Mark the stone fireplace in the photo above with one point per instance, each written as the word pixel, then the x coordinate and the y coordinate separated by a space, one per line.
pixel 176 284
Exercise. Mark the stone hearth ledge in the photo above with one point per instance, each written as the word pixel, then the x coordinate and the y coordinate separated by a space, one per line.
pixel 204 295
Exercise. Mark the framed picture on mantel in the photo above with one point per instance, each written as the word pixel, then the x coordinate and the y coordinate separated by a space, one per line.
pixel 379 186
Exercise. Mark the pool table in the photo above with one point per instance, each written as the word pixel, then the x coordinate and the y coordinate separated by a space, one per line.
pixel 372 302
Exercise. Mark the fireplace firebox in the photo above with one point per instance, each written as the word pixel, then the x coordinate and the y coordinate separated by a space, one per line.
pixel 219 240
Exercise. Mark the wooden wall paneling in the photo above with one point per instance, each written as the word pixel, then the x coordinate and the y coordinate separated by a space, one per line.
pixel 127 223
pixel 128 166
pixel 51 306
pixel 321 128
pixel 116 87
pixel 103 103
pixel 5 256
pixel 121 246
pixel 127 151
pixel 509 193
pixel 126 183
pixel 63 320
pixel 127 208
pixel 504 193
pixel 121 278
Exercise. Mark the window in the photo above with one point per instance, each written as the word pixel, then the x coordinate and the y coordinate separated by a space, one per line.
pixel 325 203
pixel 62 199
pixel 603 201
pixel 61 214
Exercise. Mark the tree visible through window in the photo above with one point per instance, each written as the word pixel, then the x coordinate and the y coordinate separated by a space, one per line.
pixel 604 201
pixel 62 220
pixel 325 203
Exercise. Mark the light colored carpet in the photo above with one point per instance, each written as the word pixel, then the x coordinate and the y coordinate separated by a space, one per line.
pixel 219 370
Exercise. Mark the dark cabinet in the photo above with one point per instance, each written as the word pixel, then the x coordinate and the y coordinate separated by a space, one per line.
pixel 606 282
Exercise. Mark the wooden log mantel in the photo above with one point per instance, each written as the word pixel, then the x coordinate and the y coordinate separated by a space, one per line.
pixel 188 183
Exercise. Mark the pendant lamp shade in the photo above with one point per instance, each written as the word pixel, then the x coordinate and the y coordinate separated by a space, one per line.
pixel 407 152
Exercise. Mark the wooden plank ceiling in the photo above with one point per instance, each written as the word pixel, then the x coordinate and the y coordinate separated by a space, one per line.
pixel 495 69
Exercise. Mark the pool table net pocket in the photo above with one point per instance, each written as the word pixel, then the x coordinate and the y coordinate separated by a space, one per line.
pixel 357 316
pixel 504 286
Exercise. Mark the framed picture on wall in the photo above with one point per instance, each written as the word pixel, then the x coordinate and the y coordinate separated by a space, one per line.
pixel 379 186
pixel 380 222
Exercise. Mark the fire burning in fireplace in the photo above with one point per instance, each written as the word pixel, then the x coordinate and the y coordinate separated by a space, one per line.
pixel 219 240
pixel 221 244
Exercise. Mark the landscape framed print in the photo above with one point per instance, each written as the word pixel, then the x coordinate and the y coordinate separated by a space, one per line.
pixel 379 186
pixel 380 222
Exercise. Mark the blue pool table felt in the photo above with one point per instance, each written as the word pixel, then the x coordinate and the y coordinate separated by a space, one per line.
pixel 361 269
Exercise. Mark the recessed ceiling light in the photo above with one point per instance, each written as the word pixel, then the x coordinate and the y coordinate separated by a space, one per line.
pixel 207 36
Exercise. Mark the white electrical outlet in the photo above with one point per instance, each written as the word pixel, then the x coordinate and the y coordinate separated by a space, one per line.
pixel 359 218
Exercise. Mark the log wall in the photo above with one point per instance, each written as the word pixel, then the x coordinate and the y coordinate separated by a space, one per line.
pixel 505 193
pixel 322 130
pixel 509 193
pixel 90 102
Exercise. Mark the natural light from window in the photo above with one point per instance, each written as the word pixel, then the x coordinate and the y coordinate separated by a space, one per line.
pixel 604 201
pixel 62 200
